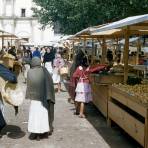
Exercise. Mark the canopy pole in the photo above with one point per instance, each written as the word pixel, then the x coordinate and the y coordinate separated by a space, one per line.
pixel 104 51
pixel 2 40
pixel 71 52
pixel 84 44
pixel 126 55
pixel 138 50
pixel 11 41
pixel 92 57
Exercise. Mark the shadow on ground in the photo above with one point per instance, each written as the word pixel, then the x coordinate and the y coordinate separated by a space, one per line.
pixel 13 132
pixel 115 136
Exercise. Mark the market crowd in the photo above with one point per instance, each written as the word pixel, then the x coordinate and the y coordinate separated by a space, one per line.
pixel 42 69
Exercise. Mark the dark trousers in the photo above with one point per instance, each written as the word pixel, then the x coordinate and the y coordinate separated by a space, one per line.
pixel 51 115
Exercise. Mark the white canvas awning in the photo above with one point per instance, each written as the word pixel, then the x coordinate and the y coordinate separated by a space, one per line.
pixel 130 21
pixel 88 30
pixel 109 32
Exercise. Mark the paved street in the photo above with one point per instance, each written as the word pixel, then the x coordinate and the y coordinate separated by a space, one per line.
pixel 70 131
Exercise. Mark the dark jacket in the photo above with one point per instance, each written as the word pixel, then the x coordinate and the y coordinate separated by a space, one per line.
pixel 39 83
pixel 48 57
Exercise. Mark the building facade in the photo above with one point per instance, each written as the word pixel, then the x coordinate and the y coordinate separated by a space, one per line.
pixel 16 17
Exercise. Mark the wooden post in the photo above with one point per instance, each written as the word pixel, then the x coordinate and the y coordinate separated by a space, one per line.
pixel 11 41
pixel 146 131
pixel 84 44
pixel 126 55
pixel 73 51
pixel 92 57
pixel 138 50
pixel 104 51
pixel 2 40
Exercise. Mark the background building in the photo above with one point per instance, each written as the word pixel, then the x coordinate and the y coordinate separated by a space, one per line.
pixel 16 17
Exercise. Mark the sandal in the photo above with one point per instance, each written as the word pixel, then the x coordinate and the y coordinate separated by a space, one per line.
pixel 81 116
pixel 76 113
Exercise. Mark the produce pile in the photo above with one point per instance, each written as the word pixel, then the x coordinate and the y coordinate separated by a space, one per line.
pixel 140 91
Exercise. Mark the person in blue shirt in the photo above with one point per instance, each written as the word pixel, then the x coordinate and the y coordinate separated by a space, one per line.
pixel 37 53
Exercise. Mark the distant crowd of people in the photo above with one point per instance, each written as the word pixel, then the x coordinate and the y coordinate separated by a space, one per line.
pixel 51 59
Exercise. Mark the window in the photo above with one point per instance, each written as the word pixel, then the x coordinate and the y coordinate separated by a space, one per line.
pixel 23 12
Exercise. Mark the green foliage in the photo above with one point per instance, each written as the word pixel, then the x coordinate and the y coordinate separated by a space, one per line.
pixel 75 15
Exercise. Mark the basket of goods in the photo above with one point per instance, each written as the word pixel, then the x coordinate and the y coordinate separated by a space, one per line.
pixel 8 60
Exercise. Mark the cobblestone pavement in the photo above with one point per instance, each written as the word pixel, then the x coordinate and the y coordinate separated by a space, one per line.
pixel 70 131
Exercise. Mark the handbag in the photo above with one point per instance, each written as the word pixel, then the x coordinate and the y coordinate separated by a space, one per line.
pixel 64 70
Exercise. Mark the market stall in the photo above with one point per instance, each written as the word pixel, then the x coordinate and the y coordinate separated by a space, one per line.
pixel 129 102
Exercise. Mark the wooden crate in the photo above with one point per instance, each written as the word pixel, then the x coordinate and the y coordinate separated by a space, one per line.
pixel 109 79
pixel 101 90
pixel 129 114
pixel 100 96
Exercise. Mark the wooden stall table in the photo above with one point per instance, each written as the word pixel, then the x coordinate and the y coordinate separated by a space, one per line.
pixel 129 113
pixel 100 88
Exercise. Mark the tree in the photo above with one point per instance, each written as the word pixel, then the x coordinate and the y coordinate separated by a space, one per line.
pixel 75 15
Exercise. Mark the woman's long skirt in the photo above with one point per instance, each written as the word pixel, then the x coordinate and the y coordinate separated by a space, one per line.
pixel 27 67
pixel 48 66
pixel 56 76
pixel 38 118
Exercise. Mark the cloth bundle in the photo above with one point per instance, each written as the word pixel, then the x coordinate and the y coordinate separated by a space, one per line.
pixel 11 93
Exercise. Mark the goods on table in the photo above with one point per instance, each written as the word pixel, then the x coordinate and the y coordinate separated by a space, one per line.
pixel 118 69
pixel 140 92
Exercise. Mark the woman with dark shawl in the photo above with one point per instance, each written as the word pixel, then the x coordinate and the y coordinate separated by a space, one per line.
pixel 40 91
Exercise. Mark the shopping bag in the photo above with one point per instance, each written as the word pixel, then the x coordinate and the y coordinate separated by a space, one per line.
pixel 64 70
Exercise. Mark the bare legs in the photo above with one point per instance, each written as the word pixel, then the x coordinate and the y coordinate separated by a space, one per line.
pixel 80 107
pixel 59 87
